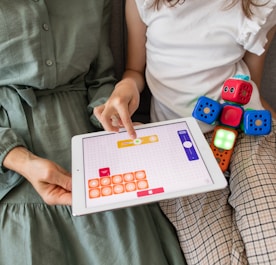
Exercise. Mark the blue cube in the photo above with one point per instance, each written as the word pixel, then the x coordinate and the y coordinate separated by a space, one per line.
pixel 207 110
pixel 257 122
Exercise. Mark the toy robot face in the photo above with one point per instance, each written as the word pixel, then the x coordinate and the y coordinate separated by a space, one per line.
pixel 227 89
pixel 237 91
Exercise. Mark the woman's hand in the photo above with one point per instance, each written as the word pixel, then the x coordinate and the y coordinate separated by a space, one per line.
pixel 52 182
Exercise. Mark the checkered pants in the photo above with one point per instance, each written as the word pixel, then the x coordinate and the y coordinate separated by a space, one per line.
pixel 236 225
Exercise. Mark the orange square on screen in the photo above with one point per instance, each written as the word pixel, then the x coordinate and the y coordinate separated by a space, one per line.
pixel 106 191
pixel 94 193
pixel 92 183
pixel 116 179
pixel 142 184
pixel 140 175
pixel 118 189
pixel 105 181
pixel 128 177
pixel 130 186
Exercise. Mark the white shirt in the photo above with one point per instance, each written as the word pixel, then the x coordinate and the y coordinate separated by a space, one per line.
pixel 194 47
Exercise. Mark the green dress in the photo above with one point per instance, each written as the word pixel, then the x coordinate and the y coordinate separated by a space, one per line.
pixel 55 66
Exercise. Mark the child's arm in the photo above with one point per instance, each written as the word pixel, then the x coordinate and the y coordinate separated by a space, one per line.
pixel 125 98
pixel 255 64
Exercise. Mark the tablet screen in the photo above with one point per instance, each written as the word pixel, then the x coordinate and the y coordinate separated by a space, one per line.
pixel 164 161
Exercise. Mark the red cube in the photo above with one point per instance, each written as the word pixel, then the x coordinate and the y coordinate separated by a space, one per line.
pixel 231 115
pixel 237 91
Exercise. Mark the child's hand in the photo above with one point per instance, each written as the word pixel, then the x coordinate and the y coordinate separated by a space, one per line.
pixel 117 111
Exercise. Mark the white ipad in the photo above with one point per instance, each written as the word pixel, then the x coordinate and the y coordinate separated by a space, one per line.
pixel 167 160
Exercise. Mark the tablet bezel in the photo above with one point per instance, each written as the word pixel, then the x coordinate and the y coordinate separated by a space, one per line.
pixel 78 178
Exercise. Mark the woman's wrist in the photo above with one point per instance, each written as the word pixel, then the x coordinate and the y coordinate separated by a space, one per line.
pixel 17 160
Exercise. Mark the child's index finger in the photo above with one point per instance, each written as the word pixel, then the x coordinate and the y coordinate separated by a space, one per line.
pixel 126 122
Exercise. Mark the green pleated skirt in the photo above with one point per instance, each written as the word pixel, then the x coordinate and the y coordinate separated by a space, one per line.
pixel 34 233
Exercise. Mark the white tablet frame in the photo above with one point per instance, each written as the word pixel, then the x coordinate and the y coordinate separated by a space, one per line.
pixel 78 180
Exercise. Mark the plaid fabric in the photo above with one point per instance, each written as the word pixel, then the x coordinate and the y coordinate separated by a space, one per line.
pixel 236 225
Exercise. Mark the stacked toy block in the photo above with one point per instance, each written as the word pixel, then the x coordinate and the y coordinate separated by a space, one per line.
pixel 230 117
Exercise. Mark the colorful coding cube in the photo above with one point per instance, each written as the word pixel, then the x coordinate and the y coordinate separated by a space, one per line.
pixel 222 156
pixel 231 115
pixel 224 137
pixel 257 122
pixel 237 90
pixel 207 110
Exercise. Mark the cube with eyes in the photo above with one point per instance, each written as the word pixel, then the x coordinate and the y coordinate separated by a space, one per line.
pixel 237 91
